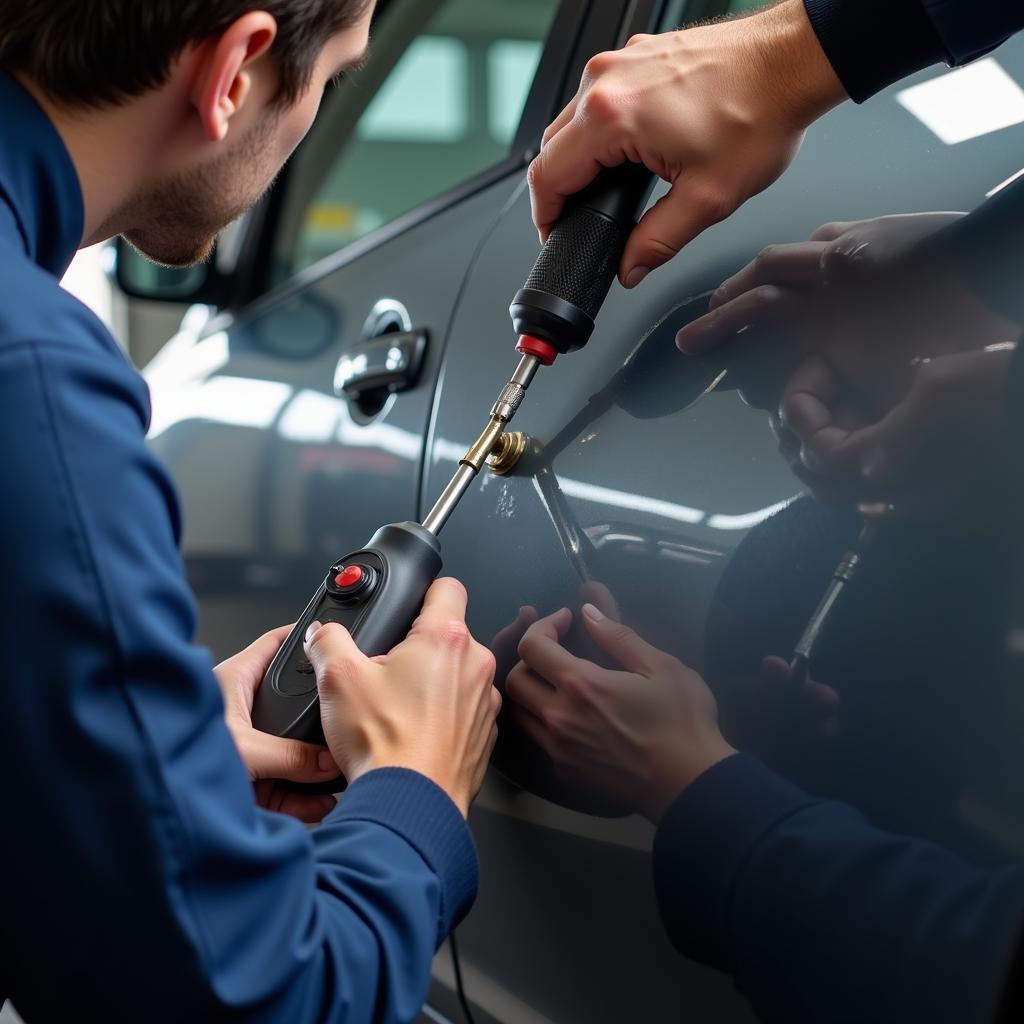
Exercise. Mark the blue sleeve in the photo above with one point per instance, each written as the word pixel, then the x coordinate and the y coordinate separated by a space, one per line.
pixel 822 918
pixel 141 880
pixel 873 43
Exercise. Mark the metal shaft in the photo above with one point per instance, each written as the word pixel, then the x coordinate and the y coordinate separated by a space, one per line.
pixel 450 497
pixel 845 571
pixel 509 400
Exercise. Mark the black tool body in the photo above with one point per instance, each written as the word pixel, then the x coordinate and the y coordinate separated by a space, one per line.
pixel 576 268
pixel 376 594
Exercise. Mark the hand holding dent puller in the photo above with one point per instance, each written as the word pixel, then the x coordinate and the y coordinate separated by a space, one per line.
pixel 377 591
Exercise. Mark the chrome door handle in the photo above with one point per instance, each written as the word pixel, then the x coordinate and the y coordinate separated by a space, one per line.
pixel 391 362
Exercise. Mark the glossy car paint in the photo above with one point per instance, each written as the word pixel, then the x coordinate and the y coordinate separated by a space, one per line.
pixel 649 477
pixel 658 491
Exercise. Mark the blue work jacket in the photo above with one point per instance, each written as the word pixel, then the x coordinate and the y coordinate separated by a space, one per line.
pixel 873 43
pixel 141 882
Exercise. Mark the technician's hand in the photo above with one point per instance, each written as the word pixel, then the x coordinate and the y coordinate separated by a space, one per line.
pixel 269 758
pixel 639 736
pixel 717 111
pixel 429 705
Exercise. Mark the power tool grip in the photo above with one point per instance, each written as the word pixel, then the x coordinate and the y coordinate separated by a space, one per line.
pixel 576 268
pixel 376 594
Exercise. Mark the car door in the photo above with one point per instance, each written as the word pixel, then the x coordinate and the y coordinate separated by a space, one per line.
pixel 651 485
pixel 294 425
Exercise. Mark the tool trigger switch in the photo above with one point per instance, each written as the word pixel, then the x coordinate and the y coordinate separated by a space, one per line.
pixel 351 580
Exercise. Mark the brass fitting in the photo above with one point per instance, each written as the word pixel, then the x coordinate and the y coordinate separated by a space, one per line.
pixel 507 452
pixel 485 444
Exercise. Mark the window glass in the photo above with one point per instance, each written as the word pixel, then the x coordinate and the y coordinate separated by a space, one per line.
pixel 510 67
pixel 404 111
pixel 434 107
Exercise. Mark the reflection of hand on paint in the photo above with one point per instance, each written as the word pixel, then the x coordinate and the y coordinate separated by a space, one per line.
pixel 773 718
pixel 638 734
pixel 888 341
pixel 505 645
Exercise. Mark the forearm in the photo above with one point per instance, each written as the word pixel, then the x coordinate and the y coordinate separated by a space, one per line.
pixel 823 918
pixel 794 70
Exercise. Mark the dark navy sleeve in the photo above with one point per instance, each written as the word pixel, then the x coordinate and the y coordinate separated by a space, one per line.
pixel 141 880
pixel 873 43
pixel 823 918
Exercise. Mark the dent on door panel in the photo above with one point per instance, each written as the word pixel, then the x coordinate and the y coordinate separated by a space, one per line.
pixel 655 485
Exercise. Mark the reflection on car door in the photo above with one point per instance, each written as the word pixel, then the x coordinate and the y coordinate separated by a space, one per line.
pixel 667 493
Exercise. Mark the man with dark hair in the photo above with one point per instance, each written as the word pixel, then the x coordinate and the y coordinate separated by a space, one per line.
pixel 142 879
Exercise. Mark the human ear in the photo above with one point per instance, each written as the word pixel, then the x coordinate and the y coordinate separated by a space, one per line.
pixel 223 81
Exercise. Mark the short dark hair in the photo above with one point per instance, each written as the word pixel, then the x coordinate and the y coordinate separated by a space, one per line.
pixel 99 52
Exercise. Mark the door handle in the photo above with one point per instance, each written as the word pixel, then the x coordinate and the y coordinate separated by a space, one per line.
pixel 390 362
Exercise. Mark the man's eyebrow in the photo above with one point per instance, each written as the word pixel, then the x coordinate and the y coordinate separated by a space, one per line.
pixel 355 63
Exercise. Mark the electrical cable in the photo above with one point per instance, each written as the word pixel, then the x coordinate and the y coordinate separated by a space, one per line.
pixel 460 987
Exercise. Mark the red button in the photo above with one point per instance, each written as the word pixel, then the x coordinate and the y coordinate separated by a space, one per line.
pixel 348 577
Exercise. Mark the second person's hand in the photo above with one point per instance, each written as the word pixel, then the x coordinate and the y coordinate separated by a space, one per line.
pixel 718 111
pixel 429 705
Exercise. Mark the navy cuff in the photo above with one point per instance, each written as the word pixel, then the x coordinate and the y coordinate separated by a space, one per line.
pixel 873 43
pixel 970 30
pixel 426 818
pixel 702 845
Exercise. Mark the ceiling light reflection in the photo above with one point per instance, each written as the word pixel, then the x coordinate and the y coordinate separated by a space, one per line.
pixel 966 103
pixel 1004 184
pixel 638 502
pixel 746 520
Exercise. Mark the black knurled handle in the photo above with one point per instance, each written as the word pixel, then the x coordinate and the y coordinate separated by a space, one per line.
pixel 578 263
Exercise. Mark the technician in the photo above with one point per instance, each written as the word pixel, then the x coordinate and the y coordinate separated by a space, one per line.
pixel 141 880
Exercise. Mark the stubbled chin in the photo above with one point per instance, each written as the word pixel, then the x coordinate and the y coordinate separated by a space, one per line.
pixel 177 253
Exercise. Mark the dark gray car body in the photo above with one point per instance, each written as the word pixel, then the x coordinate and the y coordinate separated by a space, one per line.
pixel 649 490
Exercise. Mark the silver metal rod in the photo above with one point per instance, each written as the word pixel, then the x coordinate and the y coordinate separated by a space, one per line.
pixel 451 496
pixel 504 409
pixel 800 666
pixel 526 371
pixel 809 639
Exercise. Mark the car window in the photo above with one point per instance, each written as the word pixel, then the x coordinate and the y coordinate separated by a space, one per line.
pixel 433 108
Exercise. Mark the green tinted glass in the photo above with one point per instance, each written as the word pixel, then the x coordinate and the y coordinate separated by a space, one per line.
pixel 434 108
